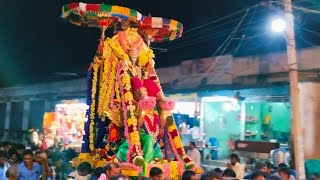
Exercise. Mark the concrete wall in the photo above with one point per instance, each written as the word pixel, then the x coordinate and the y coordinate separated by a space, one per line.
pixel 310 116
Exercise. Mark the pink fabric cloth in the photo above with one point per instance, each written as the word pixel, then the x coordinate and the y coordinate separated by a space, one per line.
pixel 152 87
pixel 136 83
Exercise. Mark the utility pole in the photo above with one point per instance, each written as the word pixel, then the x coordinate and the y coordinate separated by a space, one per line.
pixel 296 129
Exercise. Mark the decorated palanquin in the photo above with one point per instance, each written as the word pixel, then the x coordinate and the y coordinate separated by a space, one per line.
pixel 129 119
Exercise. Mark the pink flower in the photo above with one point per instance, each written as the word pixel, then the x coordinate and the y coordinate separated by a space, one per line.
pixel 147 103
pixel 168 104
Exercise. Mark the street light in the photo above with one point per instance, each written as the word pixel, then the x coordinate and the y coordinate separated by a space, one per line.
pixel 286 26
pixel 278 25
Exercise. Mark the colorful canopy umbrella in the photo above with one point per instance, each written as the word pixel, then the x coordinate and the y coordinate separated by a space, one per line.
pixel 158 29
pixel 154 29
pixel 97 15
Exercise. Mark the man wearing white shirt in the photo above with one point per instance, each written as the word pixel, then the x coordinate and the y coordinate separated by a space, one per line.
pixel 236 166
pixel 194 154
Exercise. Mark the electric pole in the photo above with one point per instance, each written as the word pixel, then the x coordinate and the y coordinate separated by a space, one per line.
pixel 296 129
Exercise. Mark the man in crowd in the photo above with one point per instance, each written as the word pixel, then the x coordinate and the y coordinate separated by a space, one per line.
pixel 194 154
pixel 29 169
pixel 261 167
pixel 270 171
pixel 236 166
pixel 111 169
pixel 284 173
pixel 291 171
pixel 211 175
pixel 229 174
pixel 4 165
pixel 283 167
pixel 7 146
pixel 41 158
pixel 83 172
pixel 189 175
pixel 155 174
pixel 258 175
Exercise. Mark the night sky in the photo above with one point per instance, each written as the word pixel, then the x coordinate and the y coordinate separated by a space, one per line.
pixel 38 46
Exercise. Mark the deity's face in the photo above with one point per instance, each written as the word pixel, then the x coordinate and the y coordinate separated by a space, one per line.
pixel 132 31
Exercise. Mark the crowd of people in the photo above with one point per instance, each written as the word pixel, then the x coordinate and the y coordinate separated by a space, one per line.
pixel 20 162
pixel 262 170
pixel 31 163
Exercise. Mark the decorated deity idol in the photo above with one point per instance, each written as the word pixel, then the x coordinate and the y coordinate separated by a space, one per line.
pixel 129 119
pixel 130 100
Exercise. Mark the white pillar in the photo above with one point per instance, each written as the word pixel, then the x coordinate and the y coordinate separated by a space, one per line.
pixel 202 118
pixel 243 121
pixel 25 115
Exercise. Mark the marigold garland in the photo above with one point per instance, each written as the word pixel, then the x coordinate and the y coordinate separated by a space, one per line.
pixel 175 141
pixel 93 103
pixel 174 170
pixel 144 56
pixel 117 49
pixel 110 89
pixel 104 80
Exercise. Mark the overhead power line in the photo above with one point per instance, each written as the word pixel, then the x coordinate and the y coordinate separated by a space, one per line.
pixel 205 30
pixel 222 18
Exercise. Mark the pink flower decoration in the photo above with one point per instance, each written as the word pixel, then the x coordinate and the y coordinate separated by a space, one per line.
pixel 168 104
pixel 166 170
pixel 147 103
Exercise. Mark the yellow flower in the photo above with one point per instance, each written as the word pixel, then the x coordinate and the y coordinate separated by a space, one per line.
pixel 132 121
pixel 171 128
pixel 132 137
pixel 174 173
pixel 128 96
pixel 92 106
pixel 150 54
pixel 115 45
pixel 143 59
pixel 177 142
pixel 126 79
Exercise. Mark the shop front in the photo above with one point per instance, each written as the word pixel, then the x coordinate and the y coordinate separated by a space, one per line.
pixel 227 119
pixel 64 126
